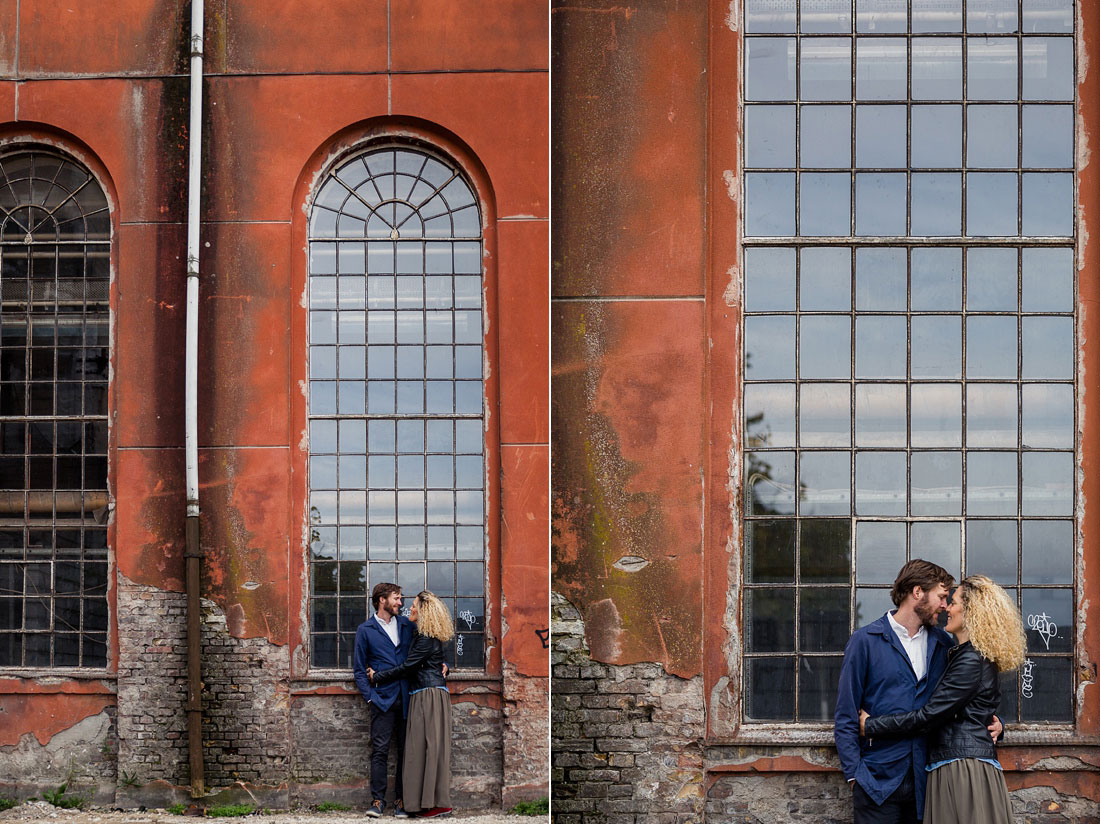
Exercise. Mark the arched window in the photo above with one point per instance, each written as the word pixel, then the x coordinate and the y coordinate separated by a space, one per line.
pixel 55 241
pixel 396 396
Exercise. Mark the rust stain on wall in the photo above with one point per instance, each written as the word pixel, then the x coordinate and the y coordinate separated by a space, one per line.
pixel 627 445
pixel 244 538
pixel 628 153
pixel 629 114
pixel 149 545
pixel 524 578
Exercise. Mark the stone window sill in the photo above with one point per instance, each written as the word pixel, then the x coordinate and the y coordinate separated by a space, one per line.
pixel 790 735
pixel 58 680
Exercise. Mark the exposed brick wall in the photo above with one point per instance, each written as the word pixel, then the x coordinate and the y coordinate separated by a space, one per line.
pixel 246 705
pixel 331 735
pixel 152 682
pixel 1045 805
pixel 762 799
pixel 476 755
pixel 817 797
pixel 245 697
pixel 626 740
pixel 254 731
pixel 526 754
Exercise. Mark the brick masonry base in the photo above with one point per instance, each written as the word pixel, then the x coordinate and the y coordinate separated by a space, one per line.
pixel 263 743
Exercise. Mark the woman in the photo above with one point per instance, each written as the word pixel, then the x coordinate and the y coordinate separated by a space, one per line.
pixel 966 783
pixel 427 764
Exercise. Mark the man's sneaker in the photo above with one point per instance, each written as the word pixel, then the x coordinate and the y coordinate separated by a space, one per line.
pixel 375 810
pixel 399 809
pixel 435 812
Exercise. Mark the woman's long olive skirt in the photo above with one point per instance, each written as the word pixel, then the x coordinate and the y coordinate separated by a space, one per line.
pixel 967 791
pixel 427 765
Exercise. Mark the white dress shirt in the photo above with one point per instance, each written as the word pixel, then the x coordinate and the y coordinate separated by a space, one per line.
pixel 916 647
pixel 390 627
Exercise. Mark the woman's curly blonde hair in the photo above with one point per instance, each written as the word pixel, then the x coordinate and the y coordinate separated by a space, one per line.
pixel 993 622
pixel 432 617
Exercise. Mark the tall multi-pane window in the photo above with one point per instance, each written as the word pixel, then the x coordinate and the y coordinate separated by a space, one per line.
pixel 396 396
pixel 909 328
pixel 55 240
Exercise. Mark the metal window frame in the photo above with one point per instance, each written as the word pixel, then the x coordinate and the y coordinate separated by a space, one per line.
pixel 54 507
pixel 908 242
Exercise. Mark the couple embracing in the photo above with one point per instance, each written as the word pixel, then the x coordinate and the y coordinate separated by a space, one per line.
pixel 401 673
pixel 915 713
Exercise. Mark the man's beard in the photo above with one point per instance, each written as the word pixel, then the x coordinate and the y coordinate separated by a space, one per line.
pixel 927 613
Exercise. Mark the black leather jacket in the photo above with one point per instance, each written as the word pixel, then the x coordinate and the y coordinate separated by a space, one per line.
pixel 423 665
pixel 958 712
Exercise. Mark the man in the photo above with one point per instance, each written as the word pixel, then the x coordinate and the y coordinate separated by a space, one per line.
pixel 382 642
pixel 892 665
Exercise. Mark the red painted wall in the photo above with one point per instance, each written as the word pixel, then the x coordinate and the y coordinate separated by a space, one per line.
pixel 287 84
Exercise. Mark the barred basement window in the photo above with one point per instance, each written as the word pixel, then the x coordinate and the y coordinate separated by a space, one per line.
pixel 909 340
pixel 396 397
pixel 55 240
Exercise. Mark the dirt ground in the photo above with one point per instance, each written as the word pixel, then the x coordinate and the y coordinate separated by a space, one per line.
pixel 40 811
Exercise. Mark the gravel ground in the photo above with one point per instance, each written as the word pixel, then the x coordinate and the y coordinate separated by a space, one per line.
pixel 48 814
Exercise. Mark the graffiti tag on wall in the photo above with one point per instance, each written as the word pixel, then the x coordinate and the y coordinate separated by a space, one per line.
pixel 1043 625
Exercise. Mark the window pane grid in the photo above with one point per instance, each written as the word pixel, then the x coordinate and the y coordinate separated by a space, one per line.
pixel 397 477
pixel 54 357
pixel 906 395
pixel 891 117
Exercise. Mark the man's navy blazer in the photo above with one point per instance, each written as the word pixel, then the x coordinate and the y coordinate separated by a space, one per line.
pixel 374 649
pixel 877 676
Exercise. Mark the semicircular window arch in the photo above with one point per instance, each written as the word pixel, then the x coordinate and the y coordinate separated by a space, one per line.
pixel 47 198
pixel 395 193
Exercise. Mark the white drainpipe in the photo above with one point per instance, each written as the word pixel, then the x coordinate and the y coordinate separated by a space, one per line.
pixel 193 546
pixel 194 178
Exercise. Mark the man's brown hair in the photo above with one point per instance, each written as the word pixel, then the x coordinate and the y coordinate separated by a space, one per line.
pixel 383 591
pixel 919 573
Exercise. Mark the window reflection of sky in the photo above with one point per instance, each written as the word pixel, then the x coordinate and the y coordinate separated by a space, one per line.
pixel 909 288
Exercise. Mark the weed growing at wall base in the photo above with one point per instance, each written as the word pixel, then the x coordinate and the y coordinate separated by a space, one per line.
pixel 540 806
pixel 61 798
pixel 7 803
pixel 230 811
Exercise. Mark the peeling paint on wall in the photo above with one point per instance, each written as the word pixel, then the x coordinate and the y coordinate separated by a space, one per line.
pixel 45 716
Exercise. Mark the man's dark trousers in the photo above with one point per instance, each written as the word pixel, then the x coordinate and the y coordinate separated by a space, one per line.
pixel 899 808
pixel 386 727
pixel 375 650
